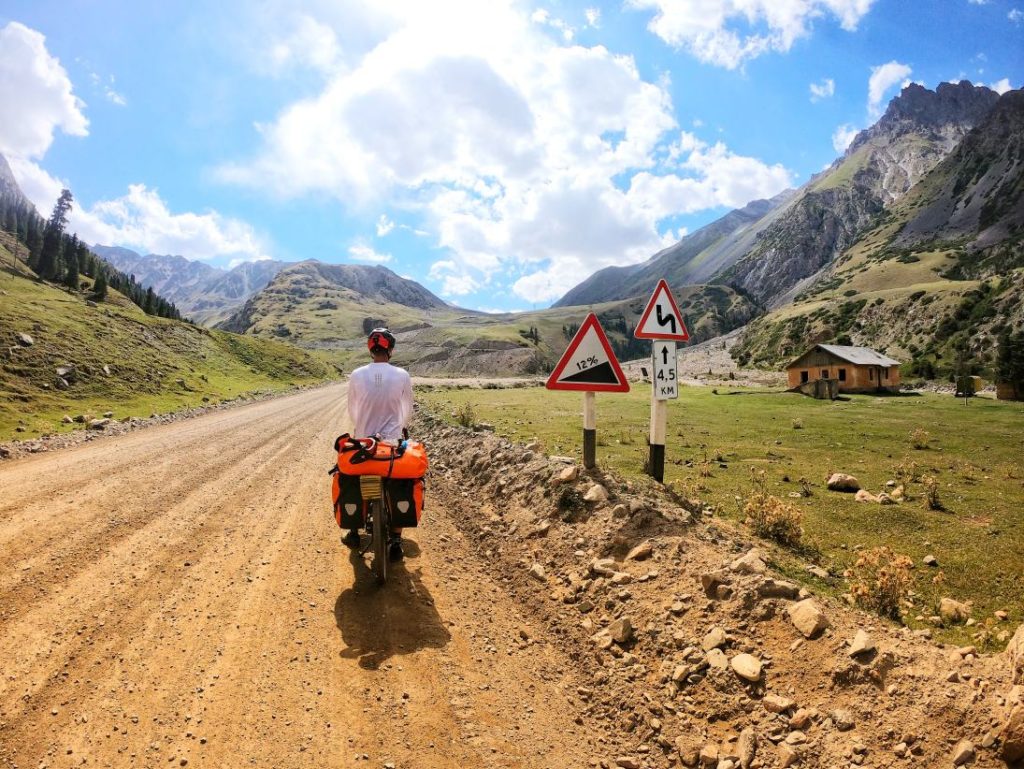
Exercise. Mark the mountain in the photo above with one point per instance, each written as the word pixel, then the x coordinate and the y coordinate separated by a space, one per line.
pixel 8 184
pixel 919 128
pixel 938 275
pixel 694 259
pixel 202 292
pixel 768 249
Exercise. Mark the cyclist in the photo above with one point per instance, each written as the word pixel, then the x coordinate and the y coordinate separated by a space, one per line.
pixel 380 404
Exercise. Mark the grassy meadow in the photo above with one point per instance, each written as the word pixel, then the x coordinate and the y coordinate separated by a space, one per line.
pixel 155 365
pixel 976 453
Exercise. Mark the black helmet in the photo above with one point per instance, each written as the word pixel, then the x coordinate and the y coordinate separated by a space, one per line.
pixel 381 340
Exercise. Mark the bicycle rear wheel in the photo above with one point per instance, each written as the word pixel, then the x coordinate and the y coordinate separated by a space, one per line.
pixel 380 540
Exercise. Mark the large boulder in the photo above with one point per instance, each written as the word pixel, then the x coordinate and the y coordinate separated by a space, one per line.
pixel 1015 656
pixel 953 612
pixel 1012 736
pixel 843 482
pixel 807 617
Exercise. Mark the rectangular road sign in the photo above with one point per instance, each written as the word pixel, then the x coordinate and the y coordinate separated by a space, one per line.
pixel 665 382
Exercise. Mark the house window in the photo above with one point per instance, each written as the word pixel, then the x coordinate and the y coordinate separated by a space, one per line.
pixel 824 373
pixel 885 373
pixel 803 376
pixel 842 375
pixel 871 374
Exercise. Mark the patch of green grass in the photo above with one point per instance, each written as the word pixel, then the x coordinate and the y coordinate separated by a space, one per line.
pixel 155 365
pixel 975 452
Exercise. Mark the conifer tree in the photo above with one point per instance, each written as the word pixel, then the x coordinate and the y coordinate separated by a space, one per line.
pixel 99 288
pixel 53 241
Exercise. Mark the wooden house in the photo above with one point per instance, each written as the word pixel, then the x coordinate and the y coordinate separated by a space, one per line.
pixel 854 369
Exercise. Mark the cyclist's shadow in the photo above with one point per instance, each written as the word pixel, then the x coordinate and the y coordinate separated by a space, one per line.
pixel 379 622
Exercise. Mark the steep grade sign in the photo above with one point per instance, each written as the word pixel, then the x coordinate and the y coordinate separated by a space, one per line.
pixel 588 363
pixel 662 318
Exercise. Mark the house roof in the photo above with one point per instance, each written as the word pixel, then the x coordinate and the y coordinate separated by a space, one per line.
pixel 858 356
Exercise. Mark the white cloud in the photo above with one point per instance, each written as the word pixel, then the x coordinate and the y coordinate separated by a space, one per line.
pixel 523 160
pixel 115 98
pixel 35 88
pixel 363 253
pixel 593 16
pixel 729 32
pixel 842 137
pixel 884 77
pixel 305 42
pixel 384 225
pixel 823 90
pixel 978 2
pixel 1002 86
pixel 1015 15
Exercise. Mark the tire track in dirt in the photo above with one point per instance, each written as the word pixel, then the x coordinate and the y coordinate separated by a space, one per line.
pixel 223 624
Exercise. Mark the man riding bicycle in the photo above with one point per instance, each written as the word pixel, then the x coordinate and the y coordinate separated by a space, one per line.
pixel 380 404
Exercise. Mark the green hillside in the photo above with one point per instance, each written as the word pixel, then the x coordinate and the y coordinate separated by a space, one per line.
pixel 117 358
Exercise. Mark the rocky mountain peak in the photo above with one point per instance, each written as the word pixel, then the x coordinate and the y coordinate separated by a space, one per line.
pixel 949 112
pixel 8 184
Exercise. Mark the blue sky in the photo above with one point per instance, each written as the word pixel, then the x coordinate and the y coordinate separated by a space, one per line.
pixel 497 152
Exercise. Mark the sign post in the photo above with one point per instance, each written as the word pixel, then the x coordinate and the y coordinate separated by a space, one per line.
pixel 589 365
pixel 662 322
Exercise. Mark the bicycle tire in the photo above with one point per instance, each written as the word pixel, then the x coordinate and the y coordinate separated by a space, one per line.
pixel 380 541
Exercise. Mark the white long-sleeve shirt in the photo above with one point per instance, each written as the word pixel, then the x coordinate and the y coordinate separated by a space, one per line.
pixel 379 400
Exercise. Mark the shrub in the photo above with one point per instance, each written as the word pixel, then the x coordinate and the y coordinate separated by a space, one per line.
pixel 919 438
pixel 465 415
pixel 880 581
pixel 931 492
pixel 769 516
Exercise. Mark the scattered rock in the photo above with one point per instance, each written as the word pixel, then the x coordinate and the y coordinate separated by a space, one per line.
pixel 963 753
pixel 568 474
pixel 709 755
pixel 774 703
pixel 807 617
pixel 716 658
pixel 620 511
pixel 930 560
pixel 106 370
pixel 603 567
pixel 537 572
pixel 863 496
pixel 747 747
pixel 68 372
pixel 801 719
pixel 99 424
pixel 747 667
pixel 66 419
pixel 715 639
pixel 788 756
pixel 843 482
pixel 596 493
pixel 621 631
pixel 861 644
pixel 753 562
pixel 711 581
pixel 641 552
pixel 776 588
pixel 953 612
pixel 627 762
pixel 25 340
pixel 843 719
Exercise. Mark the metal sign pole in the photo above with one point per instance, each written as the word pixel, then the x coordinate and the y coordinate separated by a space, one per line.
pixel 589 430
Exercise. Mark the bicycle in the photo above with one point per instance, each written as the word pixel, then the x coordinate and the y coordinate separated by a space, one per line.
pixel 378 524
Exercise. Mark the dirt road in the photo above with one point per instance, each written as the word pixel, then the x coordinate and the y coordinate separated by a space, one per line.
pixel 179 597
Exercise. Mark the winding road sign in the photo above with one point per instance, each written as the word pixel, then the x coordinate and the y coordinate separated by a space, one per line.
pixel 662 318
pixel 589 363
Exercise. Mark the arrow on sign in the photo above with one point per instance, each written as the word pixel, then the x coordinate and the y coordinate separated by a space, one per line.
pixel 588 363
pixel 662 318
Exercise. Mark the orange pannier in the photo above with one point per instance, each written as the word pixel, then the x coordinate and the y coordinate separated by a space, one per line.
pixel 401 468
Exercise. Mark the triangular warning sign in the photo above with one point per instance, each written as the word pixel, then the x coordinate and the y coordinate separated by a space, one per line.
pixel 662 318
pixel 588 363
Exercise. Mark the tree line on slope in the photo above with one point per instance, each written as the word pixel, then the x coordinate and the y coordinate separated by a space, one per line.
pixel 61 258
